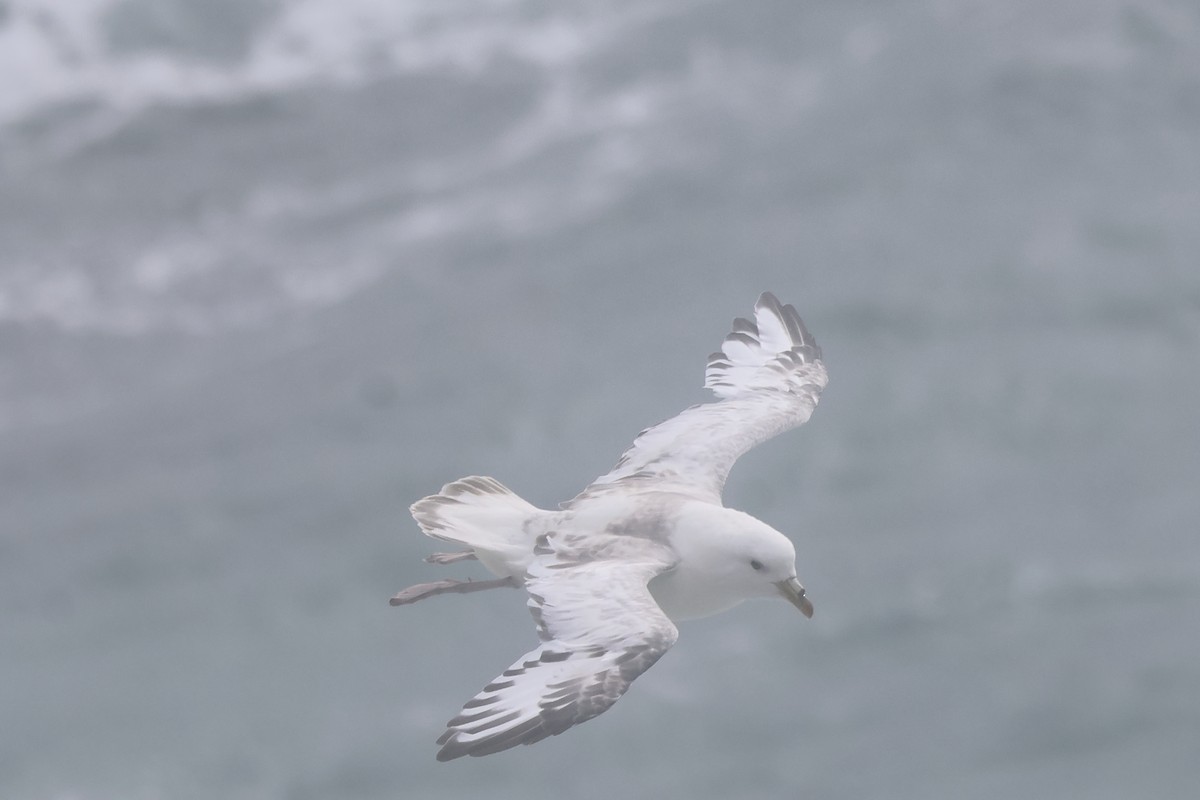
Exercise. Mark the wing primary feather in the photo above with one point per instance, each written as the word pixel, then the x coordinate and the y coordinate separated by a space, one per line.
pixel 600 630
pixel 767 376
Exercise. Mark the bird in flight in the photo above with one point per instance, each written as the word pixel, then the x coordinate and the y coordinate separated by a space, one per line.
pixel 644 546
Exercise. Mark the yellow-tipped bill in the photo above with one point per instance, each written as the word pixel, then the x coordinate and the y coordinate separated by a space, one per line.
pixel 794 592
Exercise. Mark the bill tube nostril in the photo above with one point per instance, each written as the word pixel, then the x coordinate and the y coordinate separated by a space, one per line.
pixel 794 592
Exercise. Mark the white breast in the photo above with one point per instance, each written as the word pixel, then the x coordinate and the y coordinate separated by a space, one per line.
pixel 686 593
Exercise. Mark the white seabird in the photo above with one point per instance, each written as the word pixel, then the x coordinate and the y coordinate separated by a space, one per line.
pixel 642 547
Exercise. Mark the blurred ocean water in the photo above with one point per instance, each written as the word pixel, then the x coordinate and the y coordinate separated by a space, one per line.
pixel 271 270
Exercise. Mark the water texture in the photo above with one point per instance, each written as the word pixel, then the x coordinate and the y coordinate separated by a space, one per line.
pixel 272 270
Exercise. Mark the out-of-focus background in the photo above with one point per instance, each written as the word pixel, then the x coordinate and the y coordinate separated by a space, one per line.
pixel 271 270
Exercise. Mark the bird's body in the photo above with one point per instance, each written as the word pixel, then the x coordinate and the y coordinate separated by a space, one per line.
pixel 644 546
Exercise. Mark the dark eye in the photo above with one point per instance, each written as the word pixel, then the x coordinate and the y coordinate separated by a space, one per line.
pixel 756 564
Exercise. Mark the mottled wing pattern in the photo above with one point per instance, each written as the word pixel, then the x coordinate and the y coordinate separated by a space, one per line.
pixel 768 376
pixel 600 629
pixel 774 352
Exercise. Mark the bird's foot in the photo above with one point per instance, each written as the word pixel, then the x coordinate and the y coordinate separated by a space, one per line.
pixel 422 590
pixel 449 558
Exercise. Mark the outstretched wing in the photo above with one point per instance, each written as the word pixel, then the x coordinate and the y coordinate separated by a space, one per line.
pixel 768 377
pixel 600 629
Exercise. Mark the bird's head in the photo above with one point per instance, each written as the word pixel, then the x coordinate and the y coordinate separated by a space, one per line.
pixel 768 563
pixel 748 557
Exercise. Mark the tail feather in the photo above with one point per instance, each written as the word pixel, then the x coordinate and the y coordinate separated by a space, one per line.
pixel 485 516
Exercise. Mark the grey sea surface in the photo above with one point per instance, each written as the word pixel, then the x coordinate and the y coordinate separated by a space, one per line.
pixel 270 271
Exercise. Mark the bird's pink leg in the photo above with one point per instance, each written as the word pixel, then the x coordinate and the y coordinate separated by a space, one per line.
pixel 422 590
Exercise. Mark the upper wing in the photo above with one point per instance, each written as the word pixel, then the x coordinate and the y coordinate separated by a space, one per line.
pixel 600 629
pixel 768 377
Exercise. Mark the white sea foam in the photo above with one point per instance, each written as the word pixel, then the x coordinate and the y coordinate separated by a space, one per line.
pixel 238 265
pixel 62 53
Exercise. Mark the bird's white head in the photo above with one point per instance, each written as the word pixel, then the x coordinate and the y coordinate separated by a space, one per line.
pixel 744 556
pixel 769 564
